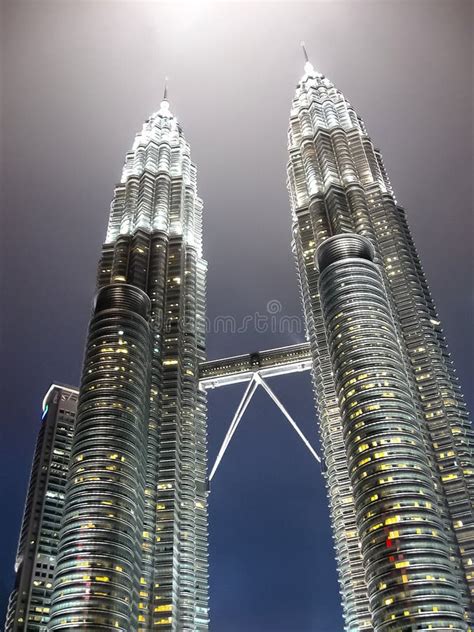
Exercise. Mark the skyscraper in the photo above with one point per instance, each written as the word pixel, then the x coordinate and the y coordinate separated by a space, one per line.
pixel 398 448
pixel 397 443
pixel 29 603
pixel 133 549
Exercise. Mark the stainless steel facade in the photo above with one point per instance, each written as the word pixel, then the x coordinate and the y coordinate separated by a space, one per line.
pixel 338 185
pixel 405 546
pixel 133 549
pixel 30 600
pixel 99 563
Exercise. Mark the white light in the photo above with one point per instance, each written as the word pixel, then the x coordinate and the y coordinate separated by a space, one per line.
pixel 164 109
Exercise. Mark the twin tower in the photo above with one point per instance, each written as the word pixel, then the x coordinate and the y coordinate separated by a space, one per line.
pixel 398 447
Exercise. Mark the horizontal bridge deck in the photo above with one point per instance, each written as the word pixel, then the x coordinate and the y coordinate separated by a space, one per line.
pixel 242 368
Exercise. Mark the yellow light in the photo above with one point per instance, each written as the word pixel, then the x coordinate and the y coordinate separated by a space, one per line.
pixel 402 564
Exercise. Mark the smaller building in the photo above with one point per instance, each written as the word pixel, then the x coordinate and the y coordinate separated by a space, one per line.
pixel 28 607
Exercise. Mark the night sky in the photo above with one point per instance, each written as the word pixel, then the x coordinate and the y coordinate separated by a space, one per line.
pixel 78 80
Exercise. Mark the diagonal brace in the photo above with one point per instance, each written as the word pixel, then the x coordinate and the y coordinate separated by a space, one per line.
pixel 241 408
pixel 259 379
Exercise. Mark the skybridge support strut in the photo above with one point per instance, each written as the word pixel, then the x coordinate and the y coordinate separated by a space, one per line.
pixel 257 380
pixel 293 423
pixel 241 408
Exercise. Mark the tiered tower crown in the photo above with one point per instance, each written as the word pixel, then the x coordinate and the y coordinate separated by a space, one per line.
pixel 159 152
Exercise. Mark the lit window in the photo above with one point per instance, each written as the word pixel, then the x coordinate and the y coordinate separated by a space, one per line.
pixel 403 564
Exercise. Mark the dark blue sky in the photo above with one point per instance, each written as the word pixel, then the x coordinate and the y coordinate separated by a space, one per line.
pixel 78 80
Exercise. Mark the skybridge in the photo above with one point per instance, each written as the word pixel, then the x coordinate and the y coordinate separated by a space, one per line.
pixel 242 368
pixel 254 368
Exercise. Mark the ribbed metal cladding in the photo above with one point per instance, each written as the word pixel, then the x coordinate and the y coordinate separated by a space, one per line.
pixel 410 578
pixel 121 296
pixel 344 247
pixel 99 560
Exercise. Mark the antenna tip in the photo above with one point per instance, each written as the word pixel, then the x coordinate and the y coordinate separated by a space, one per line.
pixel 305 53
pixel 165 106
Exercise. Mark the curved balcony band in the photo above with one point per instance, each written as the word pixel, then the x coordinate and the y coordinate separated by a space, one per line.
pixel 410 578
pixel 98 570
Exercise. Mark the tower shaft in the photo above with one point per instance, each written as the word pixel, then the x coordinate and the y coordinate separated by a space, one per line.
pixel 337 185
pixel 99 558
pixel 398 516
pixel 159 574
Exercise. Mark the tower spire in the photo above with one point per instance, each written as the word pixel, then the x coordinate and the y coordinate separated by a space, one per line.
pixel 305 52
pixel 308 66
pixel 164 105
